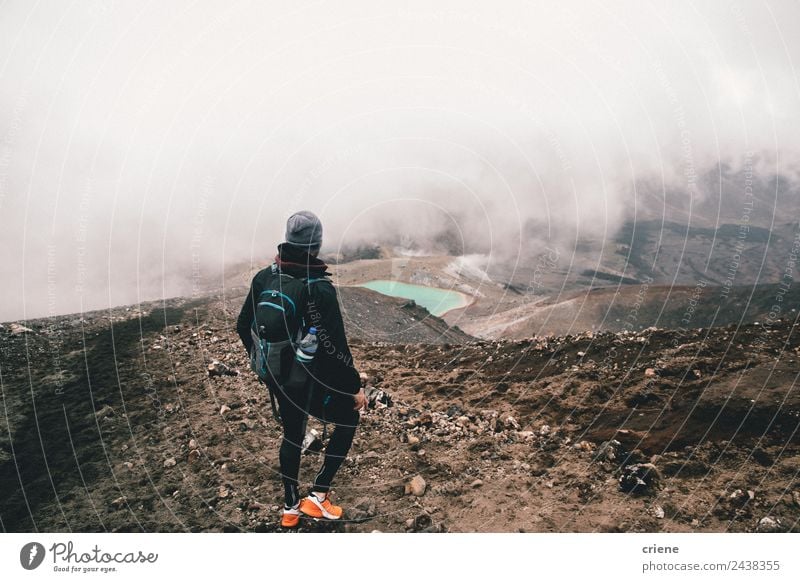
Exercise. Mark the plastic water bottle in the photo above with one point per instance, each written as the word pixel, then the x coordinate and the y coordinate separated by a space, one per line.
pixel 307 347
pixel 303 358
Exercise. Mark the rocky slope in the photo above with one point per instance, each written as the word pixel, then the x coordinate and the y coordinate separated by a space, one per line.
pixel 113 422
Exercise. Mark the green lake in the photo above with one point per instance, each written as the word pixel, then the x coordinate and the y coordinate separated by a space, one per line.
pixel 435 300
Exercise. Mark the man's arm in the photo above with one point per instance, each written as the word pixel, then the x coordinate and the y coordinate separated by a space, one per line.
pixel 248 314
pixel 334 360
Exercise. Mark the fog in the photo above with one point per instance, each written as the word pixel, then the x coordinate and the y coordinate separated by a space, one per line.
pixel 145 147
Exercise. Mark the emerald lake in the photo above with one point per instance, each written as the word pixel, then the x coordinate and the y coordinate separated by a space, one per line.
pixel 437 301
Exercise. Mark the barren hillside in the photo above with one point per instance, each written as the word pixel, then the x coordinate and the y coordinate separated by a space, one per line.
pixel 112 422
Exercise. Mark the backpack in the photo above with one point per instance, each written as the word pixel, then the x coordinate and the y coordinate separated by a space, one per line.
pixel 278 327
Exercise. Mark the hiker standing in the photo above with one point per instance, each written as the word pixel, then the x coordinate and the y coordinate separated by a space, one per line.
pixel 296 290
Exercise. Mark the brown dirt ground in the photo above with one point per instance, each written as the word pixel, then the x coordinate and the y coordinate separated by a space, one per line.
pixel 97 408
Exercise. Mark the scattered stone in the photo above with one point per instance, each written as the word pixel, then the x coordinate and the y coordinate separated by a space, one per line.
pixel 741 498
pixel 377 398
pixel 413 442
pixel 419 523
pixel 511 423
pixel 454 410
pixel 476 483
pixel 640 478
pixel 362 511
pixel 256 506
pixel 192 444
pixel 416 486
pixel 223 492
pixel 217 368
pixel 611 451
pixel 544 430
pixel 224 409
pixel 17 329
pixel 194 455
pixel 105 412
pixel 738 503
pixel 312 443
pixel 769 525
pixel 650 372
pixel 171 462
pixel 119 502
pixel 657 511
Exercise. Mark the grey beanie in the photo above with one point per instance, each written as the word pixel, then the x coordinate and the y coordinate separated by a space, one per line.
pixel 304 229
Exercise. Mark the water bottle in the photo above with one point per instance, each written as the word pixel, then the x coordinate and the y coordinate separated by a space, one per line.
pixel 303 358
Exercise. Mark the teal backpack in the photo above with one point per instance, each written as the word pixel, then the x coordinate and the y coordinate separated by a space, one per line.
pixel 278 326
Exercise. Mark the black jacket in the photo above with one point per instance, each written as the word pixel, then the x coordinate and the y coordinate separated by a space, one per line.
pixel 334 362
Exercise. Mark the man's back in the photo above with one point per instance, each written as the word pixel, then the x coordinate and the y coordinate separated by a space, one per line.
pixel 334 361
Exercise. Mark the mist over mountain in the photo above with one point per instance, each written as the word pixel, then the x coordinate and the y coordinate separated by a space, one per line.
pixel 148 148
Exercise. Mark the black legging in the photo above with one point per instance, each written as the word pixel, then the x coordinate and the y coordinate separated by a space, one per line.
pixel 328 406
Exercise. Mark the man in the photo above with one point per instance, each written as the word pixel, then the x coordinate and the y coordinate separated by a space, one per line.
pixel 334 395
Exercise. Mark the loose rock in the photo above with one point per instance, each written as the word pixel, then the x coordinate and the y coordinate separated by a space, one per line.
pixel 217 368
pixel 104 412
pixel 416 486
pixel 769 525
pixel 640 478
pixel 17 329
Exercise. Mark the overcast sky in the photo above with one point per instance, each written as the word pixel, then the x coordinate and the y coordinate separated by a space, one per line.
pixel 140 142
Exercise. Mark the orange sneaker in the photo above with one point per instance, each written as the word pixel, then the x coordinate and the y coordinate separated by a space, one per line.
pixel 313 507
pixel 291 516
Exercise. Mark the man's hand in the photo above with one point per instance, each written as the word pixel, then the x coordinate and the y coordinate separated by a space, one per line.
pixel 361 400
